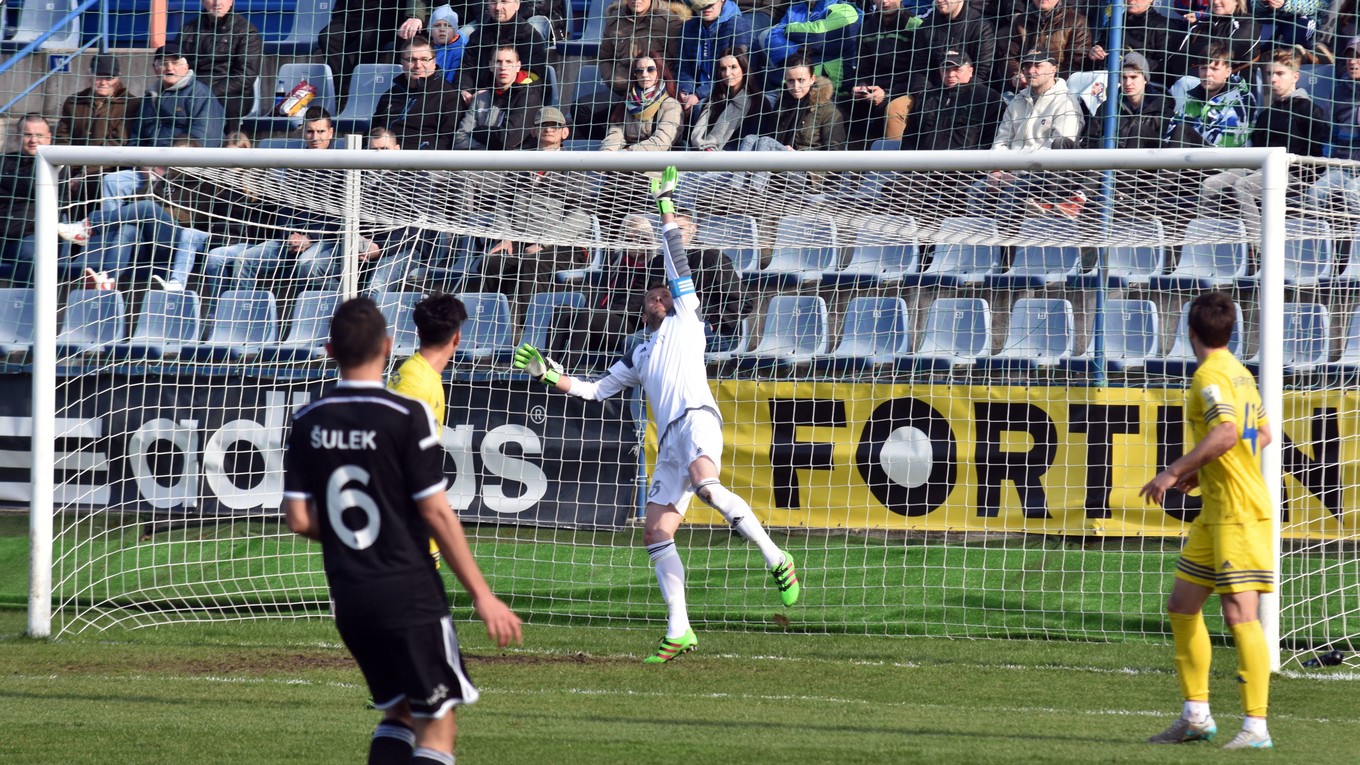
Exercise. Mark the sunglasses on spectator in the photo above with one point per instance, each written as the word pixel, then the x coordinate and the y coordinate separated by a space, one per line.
pixel 644 70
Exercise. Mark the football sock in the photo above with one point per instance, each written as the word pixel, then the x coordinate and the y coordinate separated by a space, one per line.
pixel 739 514
pixel 1255 725
pixel 670 574
pixel 391 744
pixel 1193 653
pixel 1253 667
pixel 424 756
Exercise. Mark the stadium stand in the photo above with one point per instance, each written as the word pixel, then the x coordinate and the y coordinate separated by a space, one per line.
pixel 965 255
pixel 91 321
pixel 308 330
pixel 885 250
pixel 1130 338
pixel 793 333
pixel 243 323
pixel 166 322
pixel 1049 255
pixel 1040 334
pixel 793 263
pixel 1180 360
pixel 1307 336
pixel 1215 255
pixel 538 319
pixel 957 332
pixel 396 307
pixel 16 323
pixel 487 333
pixel 367 84
pixel 1308 252
pixel 875 332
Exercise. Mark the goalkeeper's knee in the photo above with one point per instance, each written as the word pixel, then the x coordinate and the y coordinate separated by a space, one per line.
pixel 720 498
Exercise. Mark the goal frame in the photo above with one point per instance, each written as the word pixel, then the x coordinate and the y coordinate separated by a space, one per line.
pixel 1273 163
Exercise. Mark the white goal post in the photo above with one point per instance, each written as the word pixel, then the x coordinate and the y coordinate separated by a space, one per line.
pixel 1274 165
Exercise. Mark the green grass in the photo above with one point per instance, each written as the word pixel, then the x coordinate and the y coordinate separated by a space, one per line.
pixel 284 691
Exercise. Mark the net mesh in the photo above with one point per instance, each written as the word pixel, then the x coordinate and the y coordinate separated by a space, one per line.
pixel 907 364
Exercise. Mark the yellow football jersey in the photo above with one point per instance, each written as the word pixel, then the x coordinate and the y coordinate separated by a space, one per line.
pixel 1224 391
pixel 417 379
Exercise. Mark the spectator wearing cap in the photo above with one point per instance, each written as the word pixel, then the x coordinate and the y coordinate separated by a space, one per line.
pixel 730 111
pixel 447 44
pixel 503 23
pixel 717 26
pixel 1044 115
pixel 883 68
pixel 179 105
pixel 1154 36
pixel 1339 187
pixel 631 29
pixel 224 49
pixel 501 117
pixel 99 115
pixel 421 106
pixel 959 113
pixel 551 129
pixel 955 25
pixel 826 32
pixel 1054 26
pixel 359 31
pixel 1143 115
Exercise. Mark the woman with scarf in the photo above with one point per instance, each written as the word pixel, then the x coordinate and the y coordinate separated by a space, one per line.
pixel 731 111
pixel 649 118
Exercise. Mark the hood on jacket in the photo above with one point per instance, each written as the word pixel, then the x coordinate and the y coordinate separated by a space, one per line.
pixel 821 92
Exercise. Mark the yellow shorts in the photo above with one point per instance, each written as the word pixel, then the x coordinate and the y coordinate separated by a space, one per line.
pixel 1229 557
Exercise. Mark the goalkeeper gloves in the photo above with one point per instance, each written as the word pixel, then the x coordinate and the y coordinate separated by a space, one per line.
pixel 663 189
pixel 531 360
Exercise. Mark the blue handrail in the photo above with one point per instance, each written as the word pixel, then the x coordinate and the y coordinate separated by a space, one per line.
pixel 28 49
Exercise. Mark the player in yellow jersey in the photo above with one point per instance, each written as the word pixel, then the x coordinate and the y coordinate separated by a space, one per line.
pixel 1229 550
pixel 438 319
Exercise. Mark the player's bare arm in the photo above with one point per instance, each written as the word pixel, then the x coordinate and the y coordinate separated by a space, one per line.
pixel 502 625
pixel 300 515
pixel 1215 445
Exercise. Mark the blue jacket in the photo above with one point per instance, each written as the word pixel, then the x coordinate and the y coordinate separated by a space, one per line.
pixel 448 57
pixel 189 111
pixel 830 41
pixel 700 46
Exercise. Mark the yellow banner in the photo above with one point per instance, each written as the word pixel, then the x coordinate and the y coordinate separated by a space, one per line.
pixel 1046 460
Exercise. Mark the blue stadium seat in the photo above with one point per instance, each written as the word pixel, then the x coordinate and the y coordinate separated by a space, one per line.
pixel 167 322
pixel 966 251
pixel 91 321
pixel 1040 335
pixel 36 17
pixel 1319 80
pixel 958 331
pixel 486 333
pixel 1347 364
pixel 289 75
pixel 308 331
pixel 593 268
pixel 1307 336
pixel 401 324
pixel 795 261
pixel 886 144
pixel 1180 360
pixel 1307 252
pixel 367 84
pixel 454 258
pixel 1134 264
pixel 554 88
pixel 309 18
pixel 1047 254
pixel 244 322
pixel 280 143
pixel 588 44
pixel 16 322
pixel 1349 277
pixel 794 332
pixel 587 83
pixel 885 250
pixel 720 347
pixel 1214 255
pixel 581 144
pixel 1130 334
pixel 736 235
pixel 538 319
pixel 876 331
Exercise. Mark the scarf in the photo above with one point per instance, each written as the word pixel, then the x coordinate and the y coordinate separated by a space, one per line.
pixel 644 104
pixel 520 79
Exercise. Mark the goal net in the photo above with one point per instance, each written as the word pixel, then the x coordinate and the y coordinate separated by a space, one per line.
pixel 943 378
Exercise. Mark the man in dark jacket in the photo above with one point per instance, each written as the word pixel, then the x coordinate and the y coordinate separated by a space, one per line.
pixel 960 113
pixel 1143 115
pixel 883 70
pixel 506 22
pixel 421 106
pixel 16 198
pixel 955 26
pixel 717 27
pixel 359 30
pixel 99 115
pixel 1156 37
pixel 179 107
pixel 224 51
pixel 500 117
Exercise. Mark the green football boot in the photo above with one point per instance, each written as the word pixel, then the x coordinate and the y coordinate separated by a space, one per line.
pixel 786 579
pixel 673 647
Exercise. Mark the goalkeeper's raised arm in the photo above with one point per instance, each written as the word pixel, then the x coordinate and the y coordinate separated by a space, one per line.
pixel 673 243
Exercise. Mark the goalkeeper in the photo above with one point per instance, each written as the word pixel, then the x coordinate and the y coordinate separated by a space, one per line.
pixel 669 365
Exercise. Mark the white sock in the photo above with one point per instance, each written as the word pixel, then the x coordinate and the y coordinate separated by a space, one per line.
pixel 1255 725
pixel 739 514
pixel 670 574
pixel 1196 711
pixel 431 756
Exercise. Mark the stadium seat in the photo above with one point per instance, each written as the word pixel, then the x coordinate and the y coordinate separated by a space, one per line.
pixel 1214 255
pixel 720 347
pixel 16 322
pixel 538 319
pixel 454 258
pixel 1140 256
pixel 594 267
pixel 308 331
pixel 1307 336
pixel 886 144
pixel 795 260
pixel 1040 334
pixel 966 250
pixel 554 88
pixel 885 250
pixel 280 143
pixel 1307 252
pixel 581 144
pixel 1180 360
pixel 587 83
pixel 1347 364
pixel 958 331
pixel 167 322
pixel 1319 80
pixel 396 308
pixel 1349 278
pixel 588 44
pixel 1047 254
pixel 1130 338
pixel 736 235
pixel 309 18
pixel 367 84
pixel 794 332
pixel 486 333
pixel 36 17
pixel 244 322
pixel 876 331
pixel 91 321
pixel 289 75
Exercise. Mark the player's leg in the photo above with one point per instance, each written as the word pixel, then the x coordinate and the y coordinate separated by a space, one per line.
pixel 703 475
pixel 1185 608
pixel 659 537
pixel 434 739
pixel 1247 570
pixel 394 739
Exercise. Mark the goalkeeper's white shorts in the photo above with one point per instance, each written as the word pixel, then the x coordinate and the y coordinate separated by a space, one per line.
pixel 698 433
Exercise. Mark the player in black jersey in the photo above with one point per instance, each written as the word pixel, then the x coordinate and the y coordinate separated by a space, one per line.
pixel 364 474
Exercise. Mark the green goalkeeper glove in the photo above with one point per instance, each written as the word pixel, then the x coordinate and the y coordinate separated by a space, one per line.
pixel 663 189
pixel 537 365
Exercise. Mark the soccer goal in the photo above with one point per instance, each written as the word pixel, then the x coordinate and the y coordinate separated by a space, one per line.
pixel 943 377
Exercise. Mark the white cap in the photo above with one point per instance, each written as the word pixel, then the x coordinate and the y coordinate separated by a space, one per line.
pixel 444 13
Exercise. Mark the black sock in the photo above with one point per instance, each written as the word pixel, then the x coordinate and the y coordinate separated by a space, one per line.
pixel 423 756
pixel 391 745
